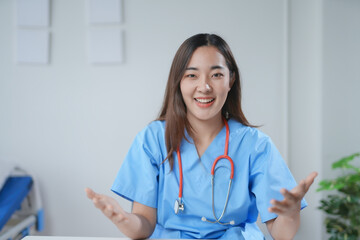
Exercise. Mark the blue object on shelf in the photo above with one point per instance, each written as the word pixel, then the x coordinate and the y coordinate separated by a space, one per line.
pixel 40 220
pixel 12 194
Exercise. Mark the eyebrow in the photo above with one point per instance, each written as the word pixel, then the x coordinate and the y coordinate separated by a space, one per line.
pixel 217 67
pixel 212 68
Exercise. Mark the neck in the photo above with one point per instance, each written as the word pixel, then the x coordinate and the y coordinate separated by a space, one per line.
pixel 205 131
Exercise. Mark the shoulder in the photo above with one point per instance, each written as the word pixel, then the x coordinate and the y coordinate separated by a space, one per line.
pixel 247 135
pixel 152 138
pixel 257 146
pixel 154 129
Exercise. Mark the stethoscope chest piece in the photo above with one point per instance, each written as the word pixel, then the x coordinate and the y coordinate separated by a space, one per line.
pixel 179 205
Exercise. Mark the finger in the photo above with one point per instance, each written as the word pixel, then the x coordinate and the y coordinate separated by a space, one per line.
pixel 310 179
pixel 288 195
pixel 108 211
pixel 299 191
pixel 276 210
pixel 103 201
pixel 283 205
pixel 116 215
pixel 98 203
pixel 117 218
pixel 90 193
pixel 302 186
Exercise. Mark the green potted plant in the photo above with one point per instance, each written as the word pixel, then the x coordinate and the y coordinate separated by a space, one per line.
pixel 343 208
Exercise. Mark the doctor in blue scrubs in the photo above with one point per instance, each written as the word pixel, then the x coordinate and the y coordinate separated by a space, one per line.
pixel 201 171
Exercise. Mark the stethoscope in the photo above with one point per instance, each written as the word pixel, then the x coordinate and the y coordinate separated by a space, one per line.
pixel 179 204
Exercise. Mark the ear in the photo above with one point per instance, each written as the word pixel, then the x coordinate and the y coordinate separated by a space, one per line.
pixel 232 79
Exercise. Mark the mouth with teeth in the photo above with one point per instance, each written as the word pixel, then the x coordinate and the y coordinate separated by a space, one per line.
pixel 204 102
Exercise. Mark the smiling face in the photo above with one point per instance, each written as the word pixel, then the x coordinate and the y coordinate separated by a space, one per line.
pixel 205 84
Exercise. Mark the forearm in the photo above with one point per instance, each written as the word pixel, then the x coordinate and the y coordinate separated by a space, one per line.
pixel 284 227
pixel 135 226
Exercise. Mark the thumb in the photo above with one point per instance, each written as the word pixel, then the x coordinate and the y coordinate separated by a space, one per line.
pixel 310 179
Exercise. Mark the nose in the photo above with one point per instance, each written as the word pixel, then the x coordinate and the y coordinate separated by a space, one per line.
pixel 204 85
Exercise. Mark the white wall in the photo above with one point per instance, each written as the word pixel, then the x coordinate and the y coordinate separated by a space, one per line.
pixel 341 77
pixel 341 96
pixel 324 120
pixel 305 116
pixel 71 123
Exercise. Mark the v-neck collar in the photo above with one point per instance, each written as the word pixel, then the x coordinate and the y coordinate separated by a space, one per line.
pixel 215 148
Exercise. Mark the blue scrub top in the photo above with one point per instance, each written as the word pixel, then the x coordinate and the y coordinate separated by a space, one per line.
pixel 259 174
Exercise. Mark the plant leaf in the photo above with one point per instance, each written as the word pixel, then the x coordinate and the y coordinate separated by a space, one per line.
pixel 344 162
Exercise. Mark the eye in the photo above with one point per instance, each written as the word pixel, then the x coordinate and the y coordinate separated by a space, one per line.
pixel 218 75
pixel 190 75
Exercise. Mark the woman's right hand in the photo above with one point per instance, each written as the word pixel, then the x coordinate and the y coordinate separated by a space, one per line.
pixel 108 205
pixel 136 225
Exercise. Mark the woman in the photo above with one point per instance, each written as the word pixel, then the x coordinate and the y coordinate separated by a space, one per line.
pixel 172 160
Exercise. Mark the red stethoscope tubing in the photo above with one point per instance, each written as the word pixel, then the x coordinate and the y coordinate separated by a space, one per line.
pixel 180 173
pixel 225 156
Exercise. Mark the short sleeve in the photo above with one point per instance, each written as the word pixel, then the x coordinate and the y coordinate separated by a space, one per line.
pixel 137 179
pixel 269 173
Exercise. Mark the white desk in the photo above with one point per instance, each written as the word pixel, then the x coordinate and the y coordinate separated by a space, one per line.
pixel 75 238
pixel 70 238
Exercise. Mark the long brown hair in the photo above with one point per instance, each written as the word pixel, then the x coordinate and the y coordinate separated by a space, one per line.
pixel 173 110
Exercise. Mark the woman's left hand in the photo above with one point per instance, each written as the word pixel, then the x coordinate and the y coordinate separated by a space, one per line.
pixel 291 204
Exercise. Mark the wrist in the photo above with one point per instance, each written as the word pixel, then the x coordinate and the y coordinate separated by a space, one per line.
pixel 292 217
